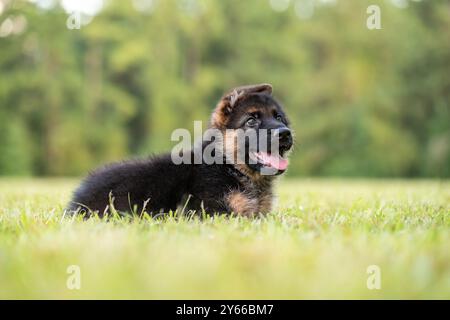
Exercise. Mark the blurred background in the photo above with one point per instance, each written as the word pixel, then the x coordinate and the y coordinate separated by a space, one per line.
pixel 372 103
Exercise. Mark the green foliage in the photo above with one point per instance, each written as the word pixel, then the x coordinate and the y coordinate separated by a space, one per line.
pixel 362 102
pixel 14 149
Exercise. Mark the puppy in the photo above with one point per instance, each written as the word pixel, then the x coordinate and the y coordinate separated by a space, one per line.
pixel 158 185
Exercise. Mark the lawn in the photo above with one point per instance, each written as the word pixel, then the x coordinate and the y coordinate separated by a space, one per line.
pixel 318 243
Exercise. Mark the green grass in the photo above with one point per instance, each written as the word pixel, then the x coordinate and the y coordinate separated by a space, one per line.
pixel 317 243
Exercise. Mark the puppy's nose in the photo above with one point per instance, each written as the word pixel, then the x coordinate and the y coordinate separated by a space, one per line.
pixel 285 136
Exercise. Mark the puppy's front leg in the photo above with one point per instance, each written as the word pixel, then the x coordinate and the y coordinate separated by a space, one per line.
pixel 241 203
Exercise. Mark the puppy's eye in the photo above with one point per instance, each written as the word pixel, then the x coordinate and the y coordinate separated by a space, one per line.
pixel 251 122
pixel 279 117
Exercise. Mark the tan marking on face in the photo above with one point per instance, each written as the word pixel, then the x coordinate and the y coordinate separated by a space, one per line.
pixel 241 204
pixel 218 118
pixel 253 109
pixel 231 146
pixel 220 115
pixel 273 110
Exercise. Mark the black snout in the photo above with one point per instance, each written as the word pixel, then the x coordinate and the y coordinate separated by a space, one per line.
pixel 285 137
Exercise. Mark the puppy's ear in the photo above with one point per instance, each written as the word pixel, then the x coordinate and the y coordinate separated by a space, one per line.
pixel 230 99
pixel 240 92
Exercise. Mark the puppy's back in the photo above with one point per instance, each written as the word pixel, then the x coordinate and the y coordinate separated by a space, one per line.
pixel 155 181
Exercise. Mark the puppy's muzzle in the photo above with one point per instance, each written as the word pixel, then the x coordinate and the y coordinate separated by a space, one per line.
pixel 285 139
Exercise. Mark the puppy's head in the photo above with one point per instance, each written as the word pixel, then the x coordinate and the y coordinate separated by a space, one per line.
pixel 256 128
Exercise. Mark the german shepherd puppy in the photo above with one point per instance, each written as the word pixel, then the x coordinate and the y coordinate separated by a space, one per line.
pixel 157 185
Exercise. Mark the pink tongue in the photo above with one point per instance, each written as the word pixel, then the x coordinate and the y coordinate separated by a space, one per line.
pixel 274 161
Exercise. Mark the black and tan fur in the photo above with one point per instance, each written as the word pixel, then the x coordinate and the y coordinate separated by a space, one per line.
pixel 156 185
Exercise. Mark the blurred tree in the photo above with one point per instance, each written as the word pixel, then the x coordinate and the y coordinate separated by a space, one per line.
pixel 362 102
